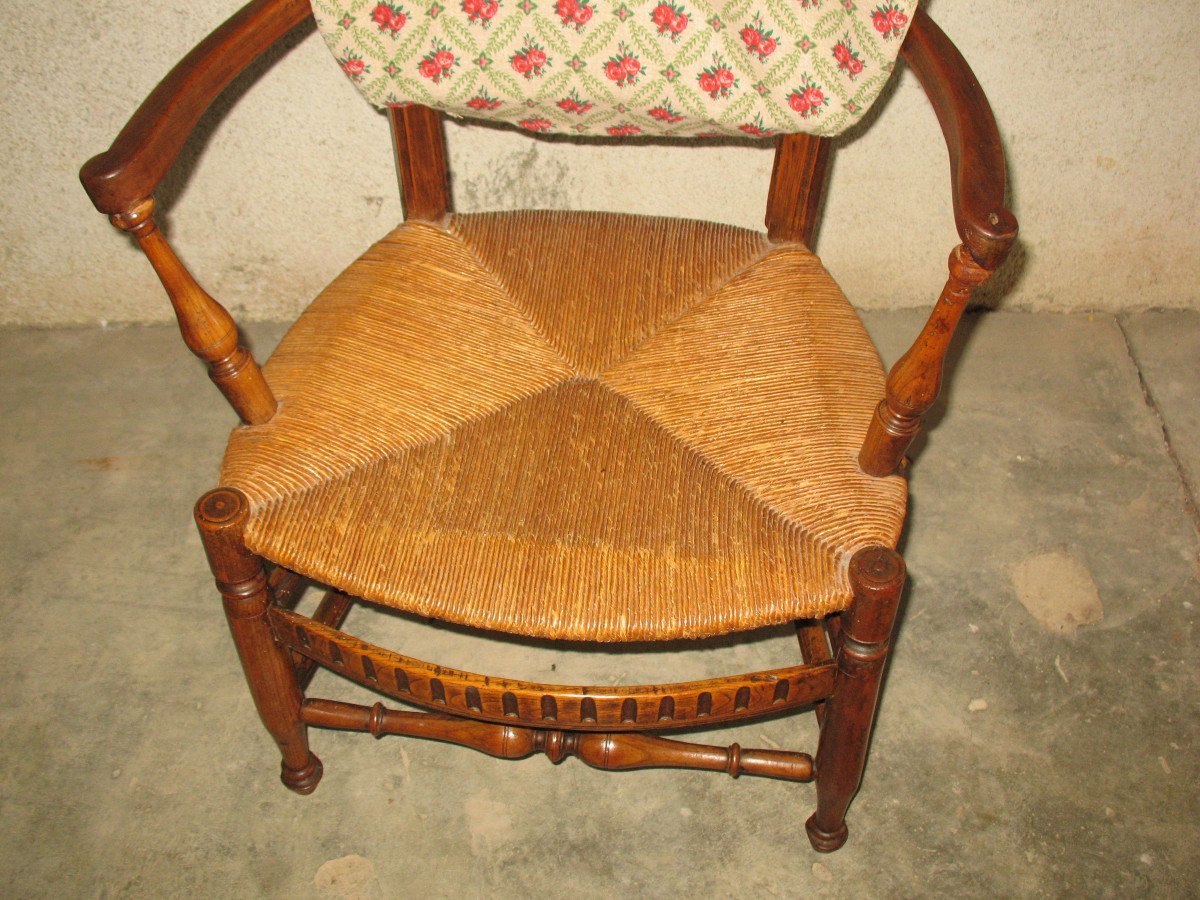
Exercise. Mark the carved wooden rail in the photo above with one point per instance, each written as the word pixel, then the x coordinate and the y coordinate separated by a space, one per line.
pixel 331 611
pixel 601 751
pixel 576 708
pixel 286 589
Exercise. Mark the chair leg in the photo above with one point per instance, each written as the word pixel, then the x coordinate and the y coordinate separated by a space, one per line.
pixel 877 578
pixel 221 516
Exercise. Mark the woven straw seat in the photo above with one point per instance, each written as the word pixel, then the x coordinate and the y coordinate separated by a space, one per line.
pixel 582 426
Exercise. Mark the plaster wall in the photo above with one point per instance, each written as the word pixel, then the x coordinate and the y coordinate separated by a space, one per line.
pixel 289 176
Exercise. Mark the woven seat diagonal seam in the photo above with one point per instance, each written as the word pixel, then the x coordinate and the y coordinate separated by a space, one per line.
pixel 756 499
pixel 666 322
pixel 348 472
pixel 385 252
pixel 831 549
pixel 815 589
pixel 320 484
pixel 830 544
pixel 503 289
pixel 377 256
pixel 709 297
pixel 704 298
pixel 446 227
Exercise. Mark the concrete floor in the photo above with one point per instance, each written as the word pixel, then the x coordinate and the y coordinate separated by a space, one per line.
pixel 1026 747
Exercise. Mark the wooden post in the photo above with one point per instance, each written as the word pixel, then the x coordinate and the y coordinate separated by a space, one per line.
pixel 877 578
pixel 797 187
pixel 207 328
pixel 420 147
pixel 221 516
pixel 915 380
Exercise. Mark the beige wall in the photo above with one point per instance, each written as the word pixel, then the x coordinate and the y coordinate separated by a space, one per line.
pixel 1099 111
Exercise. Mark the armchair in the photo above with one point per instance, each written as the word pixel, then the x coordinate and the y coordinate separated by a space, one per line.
pixel 681 433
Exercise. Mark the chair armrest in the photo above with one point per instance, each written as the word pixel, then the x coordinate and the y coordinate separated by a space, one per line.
pixel 977 175
pixel 986 227
pixel 121 182
pixel 129 171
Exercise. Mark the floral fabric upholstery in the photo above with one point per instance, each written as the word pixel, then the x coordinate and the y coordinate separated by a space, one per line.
pixel 624 67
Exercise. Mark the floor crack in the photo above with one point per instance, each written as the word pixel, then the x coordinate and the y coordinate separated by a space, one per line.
pixel 1188 489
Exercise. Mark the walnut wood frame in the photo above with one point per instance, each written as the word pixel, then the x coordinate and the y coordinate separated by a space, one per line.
pixel 844 656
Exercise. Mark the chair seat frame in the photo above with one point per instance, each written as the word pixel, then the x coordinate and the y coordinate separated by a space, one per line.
pixel 844 655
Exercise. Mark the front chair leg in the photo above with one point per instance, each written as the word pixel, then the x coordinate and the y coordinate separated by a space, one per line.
pixel 876 578
pixel 221 516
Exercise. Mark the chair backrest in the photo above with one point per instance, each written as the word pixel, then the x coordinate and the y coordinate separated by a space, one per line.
pixel 624 68
pixel 121 183
pixel 793 203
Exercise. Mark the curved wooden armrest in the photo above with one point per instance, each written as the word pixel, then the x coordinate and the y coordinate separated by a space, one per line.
pixel 129 171
pixel 121 182
pixel 977 175
pixel 986 227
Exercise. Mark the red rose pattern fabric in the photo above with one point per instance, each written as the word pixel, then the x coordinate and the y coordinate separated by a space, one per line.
pixel 624 67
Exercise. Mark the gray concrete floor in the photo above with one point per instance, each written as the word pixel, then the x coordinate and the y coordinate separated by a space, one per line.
pixel 1018 752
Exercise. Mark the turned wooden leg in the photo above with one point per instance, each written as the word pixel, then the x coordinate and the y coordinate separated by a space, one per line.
pixel 221 516
pixel 877 578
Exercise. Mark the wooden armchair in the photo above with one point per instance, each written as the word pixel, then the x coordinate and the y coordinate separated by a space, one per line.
pixel 684 435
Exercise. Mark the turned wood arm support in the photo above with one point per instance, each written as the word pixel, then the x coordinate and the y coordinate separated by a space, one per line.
pixel 207 327
pixel 986 227
pixel 122 180
pixel 915 380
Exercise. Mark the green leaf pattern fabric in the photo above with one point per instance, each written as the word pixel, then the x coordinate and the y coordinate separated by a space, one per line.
pixel 624 67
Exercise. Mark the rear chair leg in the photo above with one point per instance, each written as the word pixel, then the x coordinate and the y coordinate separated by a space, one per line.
pixel 876 578
pixel 221 516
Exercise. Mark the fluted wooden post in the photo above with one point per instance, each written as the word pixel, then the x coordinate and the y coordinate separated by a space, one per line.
pixel 208 329
pixel 915 380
